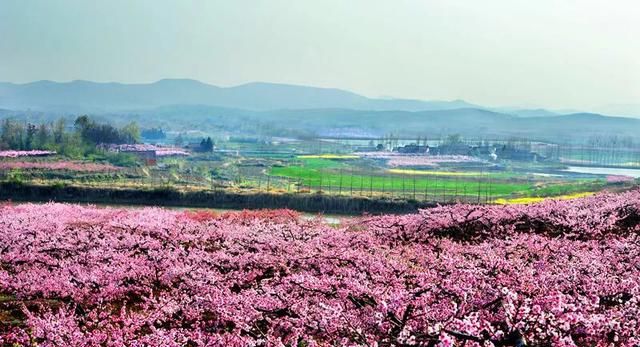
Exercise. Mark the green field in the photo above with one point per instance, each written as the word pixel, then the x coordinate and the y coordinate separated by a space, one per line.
pixel 342 177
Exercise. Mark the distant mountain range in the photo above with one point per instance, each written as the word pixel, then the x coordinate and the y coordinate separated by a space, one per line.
pixel 469 122
pixel 184 104
pixel 629 110
pixel 84 96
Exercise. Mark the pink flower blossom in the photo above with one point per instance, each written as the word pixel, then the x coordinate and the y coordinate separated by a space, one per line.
pixel 32 153
pixel 619 179
pixel 558 273
pixel 160 151
pixel 58 165
pixel 394 159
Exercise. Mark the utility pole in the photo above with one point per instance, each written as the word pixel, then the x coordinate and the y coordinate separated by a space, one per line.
pixel 351 186
pixel 426 188
pixel 479 178
pixel 456 189
pixel 414 185
pixel 404 196
pixel 371 182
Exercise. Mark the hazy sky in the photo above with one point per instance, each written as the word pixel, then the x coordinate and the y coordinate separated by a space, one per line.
pixel 551 53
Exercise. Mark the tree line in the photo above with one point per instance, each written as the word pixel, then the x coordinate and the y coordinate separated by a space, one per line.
pixel 75 140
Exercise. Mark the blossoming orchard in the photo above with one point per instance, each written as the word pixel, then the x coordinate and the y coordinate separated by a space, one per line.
pixel 58 165
pixel 558 273
pixel 30 153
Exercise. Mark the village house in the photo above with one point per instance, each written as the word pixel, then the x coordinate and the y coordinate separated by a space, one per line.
pixel 148 157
